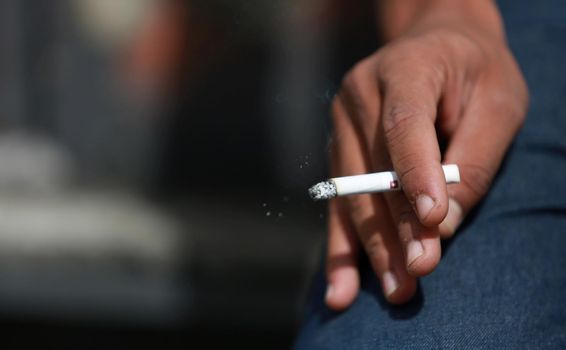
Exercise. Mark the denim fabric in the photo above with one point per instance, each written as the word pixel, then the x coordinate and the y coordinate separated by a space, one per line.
pixel 501 283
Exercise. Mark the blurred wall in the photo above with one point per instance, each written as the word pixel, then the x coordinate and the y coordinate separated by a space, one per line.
pixel 155 156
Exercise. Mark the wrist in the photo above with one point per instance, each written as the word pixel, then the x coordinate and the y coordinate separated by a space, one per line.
pixel 477 17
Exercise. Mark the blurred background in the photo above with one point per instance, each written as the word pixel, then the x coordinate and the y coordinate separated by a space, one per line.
pixel 154 161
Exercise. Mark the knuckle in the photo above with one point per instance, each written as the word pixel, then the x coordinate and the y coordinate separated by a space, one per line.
pixel 352 81
pixel 374 246
pixel 400 209
pixel 409 163
pixel 336 261
pixel 397 122
pixel 404 53
pixel 464 46
pixel 405 177
pixel 413 64
pixel 518 89
pixel 411 167
pixel 508 108
pixel 509 95
pixel 405 215
pixel 354 87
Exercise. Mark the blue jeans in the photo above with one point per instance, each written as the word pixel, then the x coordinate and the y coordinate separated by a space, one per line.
pixel 501 283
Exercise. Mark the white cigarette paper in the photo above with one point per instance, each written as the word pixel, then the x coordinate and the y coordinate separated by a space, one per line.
pixel 370 183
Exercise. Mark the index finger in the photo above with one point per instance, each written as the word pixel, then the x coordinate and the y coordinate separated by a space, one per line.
pixel 408 115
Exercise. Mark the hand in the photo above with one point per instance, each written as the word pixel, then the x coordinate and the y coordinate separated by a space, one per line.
pixel 446 76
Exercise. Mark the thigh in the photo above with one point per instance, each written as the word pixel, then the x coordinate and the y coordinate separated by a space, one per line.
pixel 500 285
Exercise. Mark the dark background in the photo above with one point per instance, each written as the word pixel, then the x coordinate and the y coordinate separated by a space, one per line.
pixel 163 205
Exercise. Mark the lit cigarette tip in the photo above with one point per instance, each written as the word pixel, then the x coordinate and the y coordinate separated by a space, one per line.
pixel 323 190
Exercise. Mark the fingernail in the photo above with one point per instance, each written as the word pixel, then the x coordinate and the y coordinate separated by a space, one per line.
pixel 424 205
pixel 329 292
pixel 414 250
pixel 390 283
pixel 454 217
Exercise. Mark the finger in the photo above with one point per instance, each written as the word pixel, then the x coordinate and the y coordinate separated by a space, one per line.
pixel 362 100
pixel 341 262
pixel 369 214
pixel 421 244
pixel 478 147
pixel 342 250
pixel 408 114
pixel 379 239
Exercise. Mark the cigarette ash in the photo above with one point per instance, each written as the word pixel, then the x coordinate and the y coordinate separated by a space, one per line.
pixel 323 190
pixel 303 162
pixel 278 215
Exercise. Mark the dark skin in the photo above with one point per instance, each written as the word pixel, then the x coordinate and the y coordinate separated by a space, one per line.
pixel 446 68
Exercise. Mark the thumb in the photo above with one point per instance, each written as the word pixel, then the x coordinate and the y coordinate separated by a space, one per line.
pixel 478 146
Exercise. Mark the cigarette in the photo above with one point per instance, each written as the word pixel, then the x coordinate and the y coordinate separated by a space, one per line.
pixel 385 181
